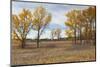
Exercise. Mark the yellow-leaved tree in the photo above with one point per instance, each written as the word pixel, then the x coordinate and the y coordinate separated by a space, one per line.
pixel 84 22
pixel 41 19
pixel 22 24
pixel 72 21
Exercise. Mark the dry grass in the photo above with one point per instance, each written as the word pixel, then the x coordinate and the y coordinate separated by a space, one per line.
pixel 53 52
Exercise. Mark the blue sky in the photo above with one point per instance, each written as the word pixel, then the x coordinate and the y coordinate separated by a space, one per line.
pixel 58 12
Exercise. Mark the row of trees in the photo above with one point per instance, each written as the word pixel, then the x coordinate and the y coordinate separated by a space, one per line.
pixel 26 20
pixel 82 25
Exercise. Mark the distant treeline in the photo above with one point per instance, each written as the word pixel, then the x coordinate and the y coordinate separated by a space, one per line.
pixel 61 39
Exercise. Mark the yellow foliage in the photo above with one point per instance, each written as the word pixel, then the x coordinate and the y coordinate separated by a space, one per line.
pixel 40 18
pixel 70 33
pixel 21 23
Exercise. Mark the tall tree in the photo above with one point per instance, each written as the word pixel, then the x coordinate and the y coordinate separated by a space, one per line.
pixel 90 15
pixel 80 24
pixel 82 20
pixel 21 24
pixel 71 21
pixel 41 19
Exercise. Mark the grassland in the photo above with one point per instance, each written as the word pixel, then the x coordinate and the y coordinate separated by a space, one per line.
pixel 52 52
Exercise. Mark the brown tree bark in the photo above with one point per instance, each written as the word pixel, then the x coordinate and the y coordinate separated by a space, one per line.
pixel 80 36
pixel 23 43
pixel 38 38
pixel 75 35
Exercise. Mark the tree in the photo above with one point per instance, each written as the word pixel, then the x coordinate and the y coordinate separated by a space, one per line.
pixel 41 19
pixel 80 24
pixel 56 33
pixel 72 21
pixel 21 24
pixel 52 34
pixel 90 15
pixel 82 20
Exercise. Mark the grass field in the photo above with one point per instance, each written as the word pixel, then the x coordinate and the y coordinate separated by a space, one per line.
pixel 52 52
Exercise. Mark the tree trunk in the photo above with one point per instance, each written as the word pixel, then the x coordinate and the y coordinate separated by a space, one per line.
pixel 38 39
pixel 23 43
pixel 75 35
pixel 80 37
pixel 94 38
pixel 86 38
pixel 58 37
pixel 90 35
